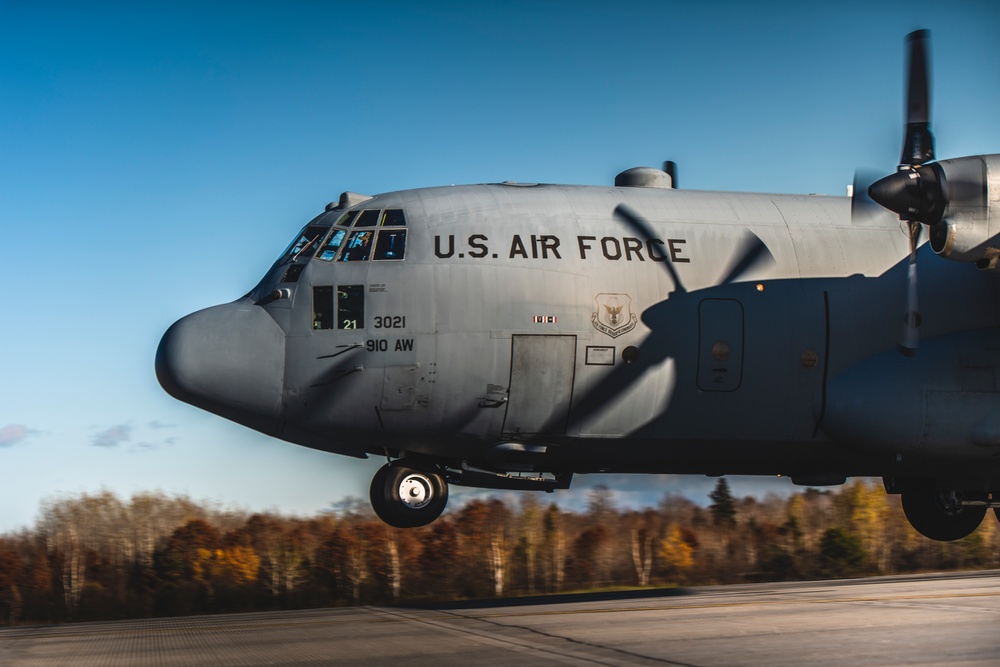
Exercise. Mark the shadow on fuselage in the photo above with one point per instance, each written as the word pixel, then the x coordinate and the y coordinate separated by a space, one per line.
pixel 843 320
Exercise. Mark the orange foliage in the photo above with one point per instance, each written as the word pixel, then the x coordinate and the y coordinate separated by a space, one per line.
pixel 676 553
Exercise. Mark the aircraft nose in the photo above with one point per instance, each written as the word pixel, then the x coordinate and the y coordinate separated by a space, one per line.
pixel 229 360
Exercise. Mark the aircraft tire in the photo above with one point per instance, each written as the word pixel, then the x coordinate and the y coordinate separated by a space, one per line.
pixel 407 498
pixel 937 514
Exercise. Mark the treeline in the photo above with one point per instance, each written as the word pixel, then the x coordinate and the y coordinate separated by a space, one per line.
pixel 94 557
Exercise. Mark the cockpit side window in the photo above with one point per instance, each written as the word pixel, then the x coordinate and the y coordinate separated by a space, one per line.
pixel 351 307
pixel 391 244
pixel 323 307
pixel 292 273
pixel 359 246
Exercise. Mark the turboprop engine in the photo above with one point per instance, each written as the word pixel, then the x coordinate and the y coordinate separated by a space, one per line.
pixel 969 230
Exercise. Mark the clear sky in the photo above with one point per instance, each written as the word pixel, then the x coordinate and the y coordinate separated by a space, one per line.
pixel 156 157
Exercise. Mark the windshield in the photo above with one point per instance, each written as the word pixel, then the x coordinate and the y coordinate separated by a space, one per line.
pixel 307 241
pixel 357 236
pixel 332 245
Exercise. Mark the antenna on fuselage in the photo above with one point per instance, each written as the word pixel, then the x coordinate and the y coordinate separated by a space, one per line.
pixel 671 168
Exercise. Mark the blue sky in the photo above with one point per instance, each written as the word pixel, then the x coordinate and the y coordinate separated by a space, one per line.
pixel 156 157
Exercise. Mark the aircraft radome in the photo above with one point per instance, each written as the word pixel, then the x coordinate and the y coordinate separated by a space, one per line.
pixel 511 335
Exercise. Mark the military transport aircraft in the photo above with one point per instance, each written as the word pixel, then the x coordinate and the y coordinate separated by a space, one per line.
pixel 510 335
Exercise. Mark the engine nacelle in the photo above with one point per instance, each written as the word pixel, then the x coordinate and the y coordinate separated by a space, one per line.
pixel 970 228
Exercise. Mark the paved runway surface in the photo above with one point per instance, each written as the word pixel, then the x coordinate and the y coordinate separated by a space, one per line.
pixel 915 620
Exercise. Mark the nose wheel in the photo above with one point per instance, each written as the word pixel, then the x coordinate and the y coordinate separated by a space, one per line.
pixel 407 498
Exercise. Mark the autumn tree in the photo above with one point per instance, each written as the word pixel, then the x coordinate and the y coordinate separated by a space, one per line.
pixel 345 556
pixel 482 527
pixel 386 548
pixel 644 531
pixel 400 552
pixel 38 590
pixel 187 549
pixel 529 532
pixel 553 549
pixel 595 547
pixel 11 567
pixel 783 551
pixel 280 550
pixel 68 533
pixel 590 561
pixel 676 552
pixel 862 510
pixel 439 559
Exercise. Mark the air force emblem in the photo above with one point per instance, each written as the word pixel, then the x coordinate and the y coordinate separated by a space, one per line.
pixel 614 315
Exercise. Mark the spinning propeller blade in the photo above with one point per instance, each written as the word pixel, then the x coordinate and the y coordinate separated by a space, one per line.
pixel 916 191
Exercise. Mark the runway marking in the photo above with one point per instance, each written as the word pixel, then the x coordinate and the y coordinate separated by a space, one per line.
pixel 720 605
pixel 631 656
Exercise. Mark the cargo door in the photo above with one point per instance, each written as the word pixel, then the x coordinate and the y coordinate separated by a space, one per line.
pixel 541 384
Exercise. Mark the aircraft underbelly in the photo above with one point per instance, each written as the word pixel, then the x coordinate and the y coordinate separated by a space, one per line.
pixel 941 403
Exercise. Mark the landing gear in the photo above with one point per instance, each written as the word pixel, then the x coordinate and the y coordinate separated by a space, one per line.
pixel 407 498
pixel 941 515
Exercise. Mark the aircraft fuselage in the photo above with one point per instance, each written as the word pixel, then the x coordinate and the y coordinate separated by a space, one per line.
pixel 528 328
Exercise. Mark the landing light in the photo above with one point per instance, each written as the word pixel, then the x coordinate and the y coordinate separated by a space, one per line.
pixel 760 287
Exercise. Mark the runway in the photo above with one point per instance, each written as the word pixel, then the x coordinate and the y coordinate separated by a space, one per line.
pixel 910 620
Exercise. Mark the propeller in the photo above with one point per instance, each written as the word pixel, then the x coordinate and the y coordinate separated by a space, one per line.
pixel 861 202
pixel 916 191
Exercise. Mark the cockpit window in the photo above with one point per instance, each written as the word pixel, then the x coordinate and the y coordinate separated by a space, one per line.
pixel 359 246
pixel 346 219
pixel 292 273
pixel 328 250
pixel 367 218
pixel 387 242
pixel 307 240
pixel 391 244
pixel 393 217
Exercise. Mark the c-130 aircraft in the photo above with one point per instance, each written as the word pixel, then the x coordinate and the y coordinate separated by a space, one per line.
pixel 511 335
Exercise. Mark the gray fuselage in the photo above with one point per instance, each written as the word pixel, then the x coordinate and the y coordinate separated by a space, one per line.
pixel 531 318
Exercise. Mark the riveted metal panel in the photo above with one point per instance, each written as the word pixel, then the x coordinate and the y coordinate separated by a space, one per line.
pixel 399 387
pixel 541 384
